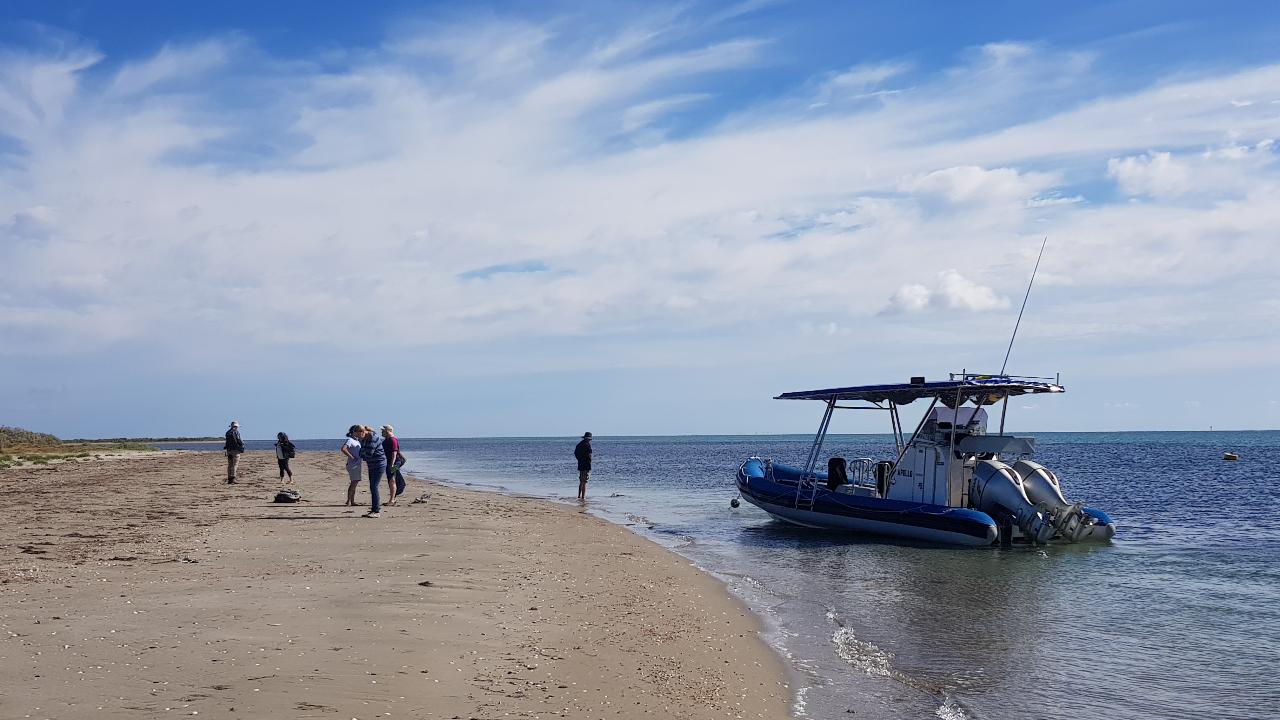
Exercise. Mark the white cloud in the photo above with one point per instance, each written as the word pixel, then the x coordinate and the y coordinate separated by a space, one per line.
pixel 910 298
pixel 641 115
pixel 971 184
pixel 862 78
pixel 377 183
pixel 858 82
pixel 952 291
pixel 172 63
pixel 962 293
pixel 33 223
pixel 1156 174
pixel 35 92
pixel 1003 53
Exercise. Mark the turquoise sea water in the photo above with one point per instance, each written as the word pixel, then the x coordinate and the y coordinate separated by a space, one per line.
pixel 1179 617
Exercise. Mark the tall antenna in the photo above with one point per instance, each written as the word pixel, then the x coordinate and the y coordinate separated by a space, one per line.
pixel 1024 305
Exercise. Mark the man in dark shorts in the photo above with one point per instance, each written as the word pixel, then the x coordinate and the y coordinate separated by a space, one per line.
pixel 583 453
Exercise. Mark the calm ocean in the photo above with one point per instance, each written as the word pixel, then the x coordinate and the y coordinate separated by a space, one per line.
pixel 1178 618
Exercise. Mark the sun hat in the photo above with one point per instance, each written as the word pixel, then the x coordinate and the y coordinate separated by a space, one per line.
pixel 235 424
pixel 586 435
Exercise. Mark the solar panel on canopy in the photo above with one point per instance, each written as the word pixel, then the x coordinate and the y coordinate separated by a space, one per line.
pixel 980 390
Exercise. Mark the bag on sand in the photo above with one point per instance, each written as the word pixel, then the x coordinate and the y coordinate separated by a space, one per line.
pixel 288 496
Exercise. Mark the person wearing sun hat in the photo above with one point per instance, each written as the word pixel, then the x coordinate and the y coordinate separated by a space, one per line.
pixel 233 447
pixel 583 453
pixel 395 460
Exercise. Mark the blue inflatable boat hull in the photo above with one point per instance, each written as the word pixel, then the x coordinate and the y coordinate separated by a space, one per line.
pixel 773 489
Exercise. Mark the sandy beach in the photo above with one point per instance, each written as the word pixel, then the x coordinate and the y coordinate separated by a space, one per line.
pixel 145 586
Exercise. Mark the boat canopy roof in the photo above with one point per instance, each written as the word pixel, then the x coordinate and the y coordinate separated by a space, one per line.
pixel 979 389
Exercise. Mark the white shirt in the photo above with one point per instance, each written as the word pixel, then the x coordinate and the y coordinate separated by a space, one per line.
pixel 353 446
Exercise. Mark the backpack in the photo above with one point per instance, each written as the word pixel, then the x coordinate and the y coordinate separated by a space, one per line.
pixel 289 450
pixel 288 496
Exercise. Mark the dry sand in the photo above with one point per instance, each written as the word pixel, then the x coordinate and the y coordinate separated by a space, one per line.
pixel 146 586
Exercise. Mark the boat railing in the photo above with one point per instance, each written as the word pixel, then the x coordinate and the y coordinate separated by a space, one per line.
pixel 862 471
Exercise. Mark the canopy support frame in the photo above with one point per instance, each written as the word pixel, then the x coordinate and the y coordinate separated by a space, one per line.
pixel 815 450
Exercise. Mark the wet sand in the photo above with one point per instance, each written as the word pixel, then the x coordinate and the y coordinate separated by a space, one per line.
pixel 146 586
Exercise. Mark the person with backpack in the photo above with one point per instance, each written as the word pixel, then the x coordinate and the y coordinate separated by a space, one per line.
pixel 285 451
pixel 234 446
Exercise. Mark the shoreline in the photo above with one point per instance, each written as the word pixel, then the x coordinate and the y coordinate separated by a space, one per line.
pixel 149 586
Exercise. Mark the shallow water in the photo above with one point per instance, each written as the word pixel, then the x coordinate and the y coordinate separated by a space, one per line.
pixel 1179 617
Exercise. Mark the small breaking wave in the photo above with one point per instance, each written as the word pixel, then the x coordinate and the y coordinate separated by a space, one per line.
pixel 878 662
pixel 863 655
pixel 640 520
pixel 951 709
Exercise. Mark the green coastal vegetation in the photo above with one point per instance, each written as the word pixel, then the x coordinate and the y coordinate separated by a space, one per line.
pixel 10 436
pixel 147 440
pixel 20 447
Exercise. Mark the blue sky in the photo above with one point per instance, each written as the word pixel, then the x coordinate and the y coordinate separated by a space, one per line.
pixel 539 218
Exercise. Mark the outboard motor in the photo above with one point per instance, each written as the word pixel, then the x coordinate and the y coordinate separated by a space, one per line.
pixel 1040 484
pixel 995 487
pixel 1070 519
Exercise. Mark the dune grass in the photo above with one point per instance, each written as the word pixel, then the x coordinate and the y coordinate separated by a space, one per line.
pixel 20 447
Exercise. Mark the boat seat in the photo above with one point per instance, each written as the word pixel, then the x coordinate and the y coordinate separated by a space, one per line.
pixel 837 473
pixel 860 490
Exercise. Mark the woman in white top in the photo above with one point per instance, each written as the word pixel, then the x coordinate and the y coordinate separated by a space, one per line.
pixel 351 449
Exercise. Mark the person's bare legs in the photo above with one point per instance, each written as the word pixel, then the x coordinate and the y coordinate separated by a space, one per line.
pixel 391 490
pixel 353 476
pixel 582 484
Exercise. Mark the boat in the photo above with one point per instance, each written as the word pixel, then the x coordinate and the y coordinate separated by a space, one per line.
pixel 1230 456
pixel 950 482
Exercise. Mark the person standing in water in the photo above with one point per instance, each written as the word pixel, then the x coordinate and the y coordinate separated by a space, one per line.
pixel 583 453
pixel 351 450
pixel 233 447
pixel 376 460
pixel 284 451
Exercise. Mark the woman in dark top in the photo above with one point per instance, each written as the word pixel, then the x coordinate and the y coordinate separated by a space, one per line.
pixel 391 448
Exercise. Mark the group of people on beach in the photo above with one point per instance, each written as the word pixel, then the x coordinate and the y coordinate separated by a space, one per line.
pixel 234 447
pixel 381 456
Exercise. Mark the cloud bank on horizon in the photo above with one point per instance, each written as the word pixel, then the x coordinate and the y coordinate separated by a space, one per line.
pixel 615 201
